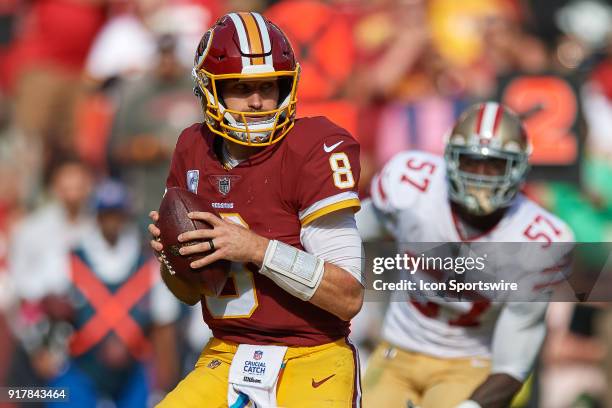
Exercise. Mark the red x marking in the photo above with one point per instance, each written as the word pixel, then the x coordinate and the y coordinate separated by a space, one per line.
pixel 112 310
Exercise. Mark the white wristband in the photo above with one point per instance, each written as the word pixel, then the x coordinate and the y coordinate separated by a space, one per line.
pixel 297 272
pixel 469 404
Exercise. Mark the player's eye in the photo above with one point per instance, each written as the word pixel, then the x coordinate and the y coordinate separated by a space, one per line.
pixel 268 87
pixel 242 88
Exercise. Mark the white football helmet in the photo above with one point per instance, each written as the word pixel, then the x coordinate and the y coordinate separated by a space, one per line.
pixel 493 135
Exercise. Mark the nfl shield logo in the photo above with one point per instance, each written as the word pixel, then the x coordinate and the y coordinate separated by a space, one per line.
pixel 258 354
pixel 193 178
pixel 224 185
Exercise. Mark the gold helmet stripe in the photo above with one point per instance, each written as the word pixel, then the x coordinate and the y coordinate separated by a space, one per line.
pixel 265 38
pixel 254 37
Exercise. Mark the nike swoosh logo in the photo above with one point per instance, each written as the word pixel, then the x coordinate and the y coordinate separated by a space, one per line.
pixel 316 384
pixel 332 147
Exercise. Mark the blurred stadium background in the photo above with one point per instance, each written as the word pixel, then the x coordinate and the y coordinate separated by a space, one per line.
pixel 98 89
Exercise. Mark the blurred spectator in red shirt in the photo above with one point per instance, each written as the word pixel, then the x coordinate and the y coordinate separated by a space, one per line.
pixel 46 60
pixel 41 70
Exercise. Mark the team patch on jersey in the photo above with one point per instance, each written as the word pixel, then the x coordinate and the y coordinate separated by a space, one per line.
pixel 224 183
pixel 193 178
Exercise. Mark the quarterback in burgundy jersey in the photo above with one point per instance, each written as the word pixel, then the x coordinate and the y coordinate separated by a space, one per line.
pixel 283 193
pixel 463 354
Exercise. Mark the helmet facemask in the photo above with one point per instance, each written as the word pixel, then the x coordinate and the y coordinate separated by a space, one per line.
pixel 482 194
pixel 223 121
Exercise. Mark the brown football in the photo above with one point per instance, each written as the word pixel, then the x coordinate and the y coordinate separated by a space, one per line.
pixel 173 221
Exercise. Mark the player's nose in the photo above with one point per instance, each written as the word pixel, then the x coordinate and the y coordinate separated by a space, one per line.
pixel 255 101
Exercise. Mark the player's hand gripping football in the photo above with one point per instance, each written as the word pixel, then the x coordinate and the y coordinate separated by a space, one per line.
pixel 226 240
pixel 185 291
pixel 155 233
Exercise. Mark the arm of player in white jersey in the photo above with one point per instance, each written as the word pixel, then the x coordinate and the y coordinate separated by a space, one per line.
pixel 518 336
pixel 370 222
pixel 517 339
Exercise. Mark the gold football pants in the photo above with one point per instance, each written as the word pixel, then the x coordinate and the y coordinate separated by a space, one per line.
pixel 395 376
pixel 320 376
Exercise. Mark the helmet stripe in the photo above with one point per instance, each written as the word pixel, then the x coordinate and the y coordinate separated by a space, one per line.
pixel 242 38
pixel 479 118
pixel 265 38
pixel 498 119
pixel 487 125
pixel 253 36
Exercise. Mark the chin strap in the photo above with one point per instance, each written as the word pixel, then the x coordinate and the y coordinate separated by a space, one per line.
pixel 253 134
pixel 229 161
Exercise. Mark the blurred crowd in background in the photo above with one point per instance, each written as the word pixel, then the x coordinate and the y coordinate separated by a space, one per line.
pixel 94 93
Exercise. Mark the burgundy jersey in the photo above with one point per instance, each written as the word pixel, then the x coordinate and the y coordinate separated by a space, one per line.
pixel 311 172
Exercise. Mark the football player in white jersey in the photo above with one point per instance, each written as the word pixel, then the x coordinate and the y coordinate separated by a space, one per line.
pixel 443 354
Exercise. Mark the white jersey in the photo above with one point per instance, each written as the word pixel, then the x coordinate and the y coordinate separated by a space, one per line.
pixel 411 195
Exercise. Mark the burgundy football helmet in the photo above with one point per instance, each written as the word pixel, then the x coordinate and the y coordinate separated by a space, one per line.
pixel 246 46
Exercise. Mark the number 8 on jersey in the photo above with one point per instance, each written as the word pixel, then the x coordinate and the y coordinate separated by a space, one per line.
pixel 341 167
